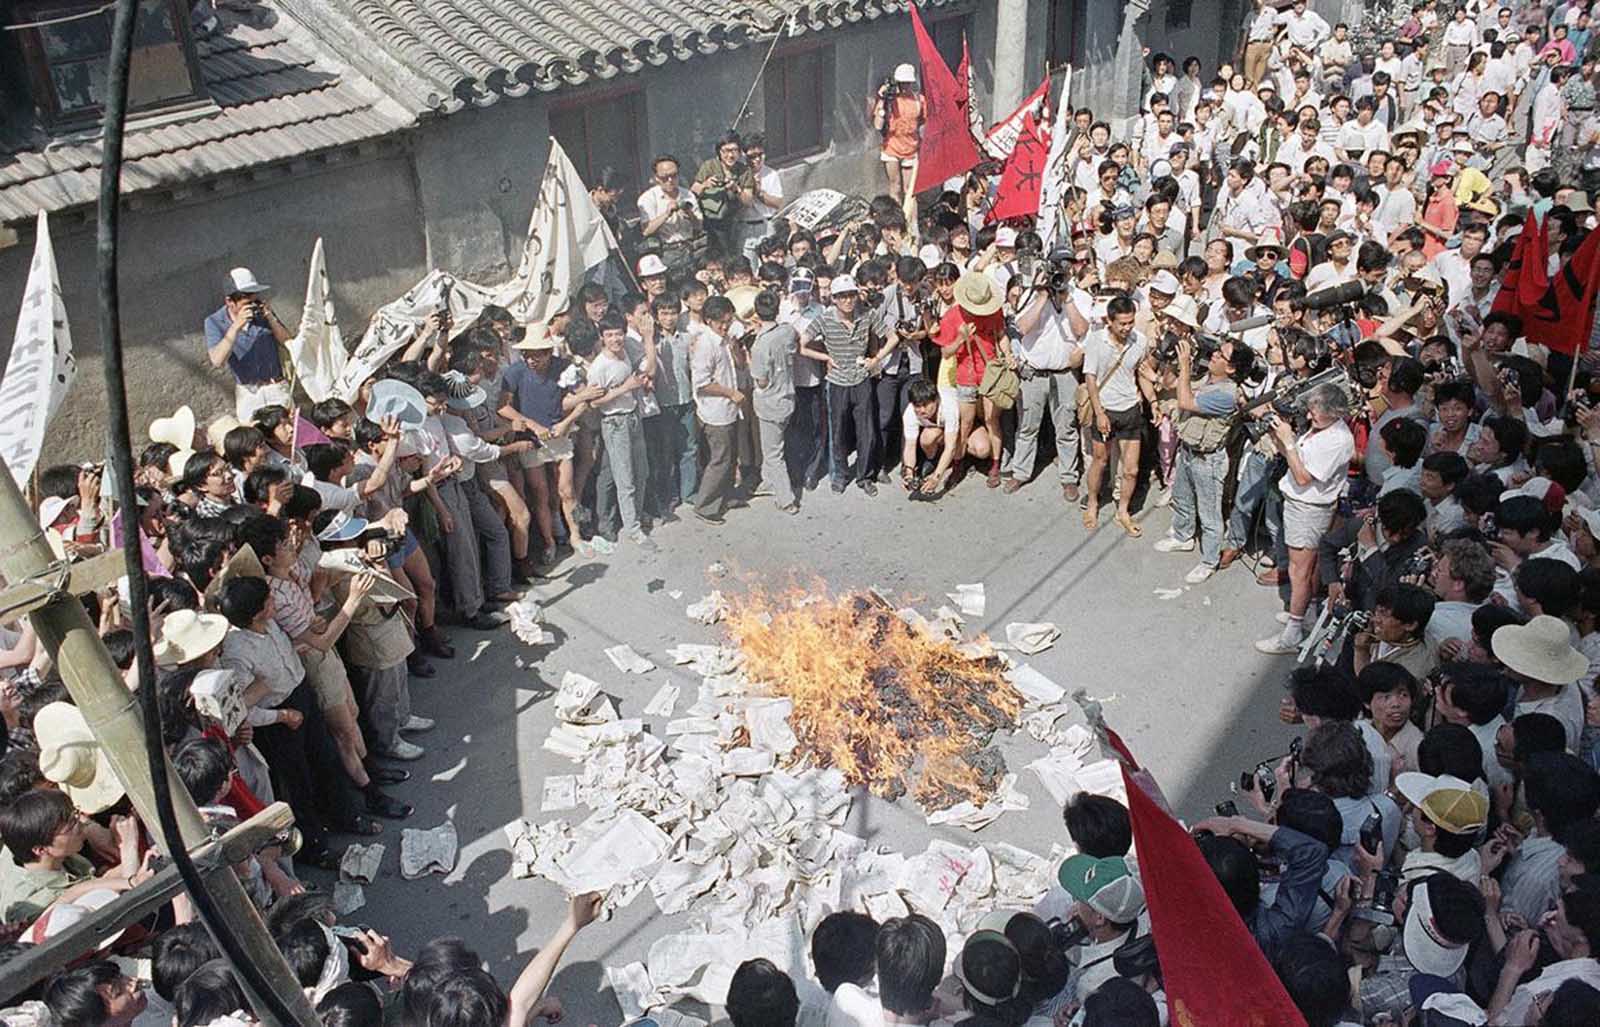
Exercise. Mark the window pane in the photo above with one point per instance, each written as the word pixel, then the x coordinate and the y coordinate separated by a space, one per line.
pixel 774 92
pixel 78 39
pixel 79 85
pixel 602 134
pixel 805 107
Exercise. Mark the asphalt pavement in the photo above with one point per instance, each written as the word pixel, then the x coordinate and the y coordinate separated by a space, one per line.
pixel 1176 674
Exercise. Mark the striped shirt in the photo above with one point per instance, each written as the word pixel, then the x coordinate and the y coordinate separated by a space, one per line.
pixel 848 342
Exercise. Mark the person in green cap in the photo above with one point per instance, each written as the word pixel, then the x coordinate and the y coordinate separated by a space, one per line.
pixel 1108 900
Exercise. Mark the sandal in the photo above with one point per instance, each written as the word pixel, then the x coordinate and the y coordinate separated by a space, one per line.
pixel 1091 518
pixel 993 479
pixel 1129 525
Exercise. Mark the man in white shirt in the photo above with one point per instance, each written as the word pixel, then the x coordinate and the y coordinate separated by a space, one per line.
pixel 1397 205
pixel 621 429
pixel 1361 137
pixel 717 400
pixel 1318 462
pixel 1306 142
pixel 1455 266
pixel 768 195
pixel 1050 325
pixel 1304 29
pixel 1258 44
pixel 1247 207
pixel 1460 36
pixel 1339 267
pixel 671 214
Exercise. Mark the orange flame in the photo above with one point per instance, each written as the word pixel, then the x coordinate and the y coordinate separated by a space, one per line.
pixel 876 698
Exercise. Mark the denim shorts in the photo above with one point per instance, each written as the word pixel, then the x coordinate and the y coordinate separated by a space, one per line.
pixel 407 547
pixel 966 393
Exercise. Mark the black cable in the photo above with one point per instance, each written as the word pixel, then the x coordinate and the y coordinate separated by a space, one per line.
pixel 116 110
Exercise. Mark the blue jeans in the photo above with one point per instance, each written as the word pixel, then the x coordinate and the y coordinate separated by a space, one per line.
pixel 1254 489
pixel 1197 500
pixel 623 435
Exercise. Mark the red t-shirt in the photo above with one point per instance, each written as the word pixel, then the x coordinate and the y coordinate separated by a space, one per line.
pixel 974 356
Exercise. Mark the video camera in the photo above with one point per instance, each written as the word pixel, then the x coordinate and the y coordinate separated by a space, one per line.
pixel 1068 934
pixel 1201 346
pixel 1288 399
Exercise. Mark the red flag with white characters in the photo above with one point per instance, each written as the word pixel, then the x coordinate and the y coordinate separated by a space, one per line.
pixel 947 147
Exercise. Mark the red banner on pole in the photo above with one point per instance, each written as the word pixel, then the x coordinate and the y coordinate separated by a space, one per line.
pixel 1023 176
pixel 1213 969
pixel 947 147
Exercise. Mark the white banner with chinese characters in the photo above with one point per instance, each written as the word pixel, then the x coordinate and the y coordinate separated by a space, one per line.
pixel 567 236
pixel 40 368
pixel 396 324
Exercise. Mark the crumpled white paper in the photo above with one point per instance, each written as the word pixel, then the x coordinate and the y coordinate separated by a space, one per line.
pixel 580 701
pixel 708 609
pixel 360 863
pixel 629 662
pixel 427 852
pixel 969 598
pixel 1032 638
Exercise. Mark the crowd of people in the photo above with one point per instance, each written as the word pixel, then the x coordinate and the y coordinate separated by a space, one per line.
pixel 1270 302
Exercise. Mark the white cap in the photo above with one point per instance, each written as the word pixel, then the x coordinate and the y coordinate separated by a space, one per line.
pixel 842 283
pixel 905 73
pixel 242 279
pixel 1005 236
pixel 931 256
pixel 1160 168
pixel 650 264
pixel 1164 282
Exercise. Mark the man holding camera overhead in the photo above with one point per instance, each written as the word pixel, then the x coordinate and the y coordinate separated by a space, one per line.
pixel 1205 423
pixel 1051 326
pixel 245 334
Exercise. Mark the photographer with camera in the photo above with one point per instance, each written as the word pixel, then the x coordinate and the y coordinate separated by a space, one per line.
pixel 1205 424
pixel 1316 460
pixel 724 187
pixel 670 218
pixel 1051 326
pixel 898 113
pixel 245 335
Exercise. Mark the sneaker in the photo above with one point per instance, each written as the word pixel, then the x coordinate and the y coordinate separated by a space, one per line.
pixel 868 486
pixel 1175 545
pixel 404 750
pixel 1201 572
pixel 643 541
pixel 839 485
pixel 487 620
pixel 709 518
pixel 1163 497
pixel 1281 644
pixel 416 723
pixel 1282 616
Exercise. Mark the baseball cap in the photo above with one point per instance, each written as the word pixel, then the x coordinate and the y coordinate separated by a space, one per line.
pixel 243 280
pixel 989 968
pixel 1429 951
pixel 1005 236
pixel 843 283
pixel 1164 282
pixel 802 280
pixel 1160 168
pixel 1124 211
pixel 1450 803
pixel 905 73
pixel 1106 886
pixel 342 528
pixel 650 265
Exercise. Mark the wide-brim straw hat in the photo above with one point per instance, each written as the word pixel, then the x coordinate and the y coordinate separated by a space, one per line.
pixel 977 293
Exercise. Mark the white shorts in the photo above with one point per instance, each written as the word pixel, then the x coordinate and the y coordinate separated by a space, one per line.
pixel 549 451
pixel 1304 524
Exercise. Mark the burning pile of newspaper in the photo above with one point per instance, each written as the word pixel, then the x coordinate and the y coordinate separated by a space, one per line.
pixel 724 819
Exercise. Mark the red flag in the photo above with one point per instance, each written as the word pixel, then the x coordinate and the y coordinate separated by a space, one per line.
pixel 1020 182
pixel 947 147
pixel 1564 317
pixel 1508 299
pixel 1533 278
pixel 999 140
pixel 1214 971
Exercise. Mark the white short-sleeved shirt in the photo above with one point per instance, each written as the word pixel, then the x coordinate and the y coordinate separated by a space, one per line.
pixel 1120 390
pixel 949 415
pixel 1326 455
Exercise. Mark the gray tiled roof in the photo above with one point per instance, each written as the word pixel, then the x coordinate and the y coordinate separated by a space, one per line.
pixel 274 99
pixel 442 55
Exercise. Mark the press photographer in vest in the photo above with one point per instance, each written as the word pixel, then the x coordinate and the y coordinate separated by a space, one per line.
pixel 1206 404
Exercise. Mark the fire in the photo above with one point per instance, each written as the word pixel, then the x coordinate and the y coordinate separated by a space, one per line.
pixel 891 707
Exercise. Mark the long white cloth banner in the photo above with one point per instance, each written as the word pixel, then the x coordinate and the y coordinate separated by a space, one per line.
pixel 40 369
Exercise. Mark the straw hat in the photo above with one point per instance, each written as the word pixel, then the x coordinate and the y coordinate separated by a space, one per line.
pixel 537 338
pixel 187 635
pixel 218 430
pixel 1540 649
pixel 70 756
pixel 177 430
pixel 743 298
pixel 977 294
pixel 1271 239
pixel 1184 310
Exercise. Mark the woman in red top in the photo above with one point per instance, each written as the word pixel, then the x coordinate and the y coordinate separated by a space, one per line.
pixel 972 333
pixel 1439 217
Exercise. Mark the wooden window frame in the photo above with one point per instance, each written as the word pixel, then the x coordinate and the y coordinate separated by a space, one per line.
pixel 584 102
pixel 43 86
pixel 826 89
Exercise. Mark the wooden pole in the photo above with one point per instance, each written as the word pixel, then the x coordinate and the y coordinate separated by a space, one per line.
pixel 112 713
